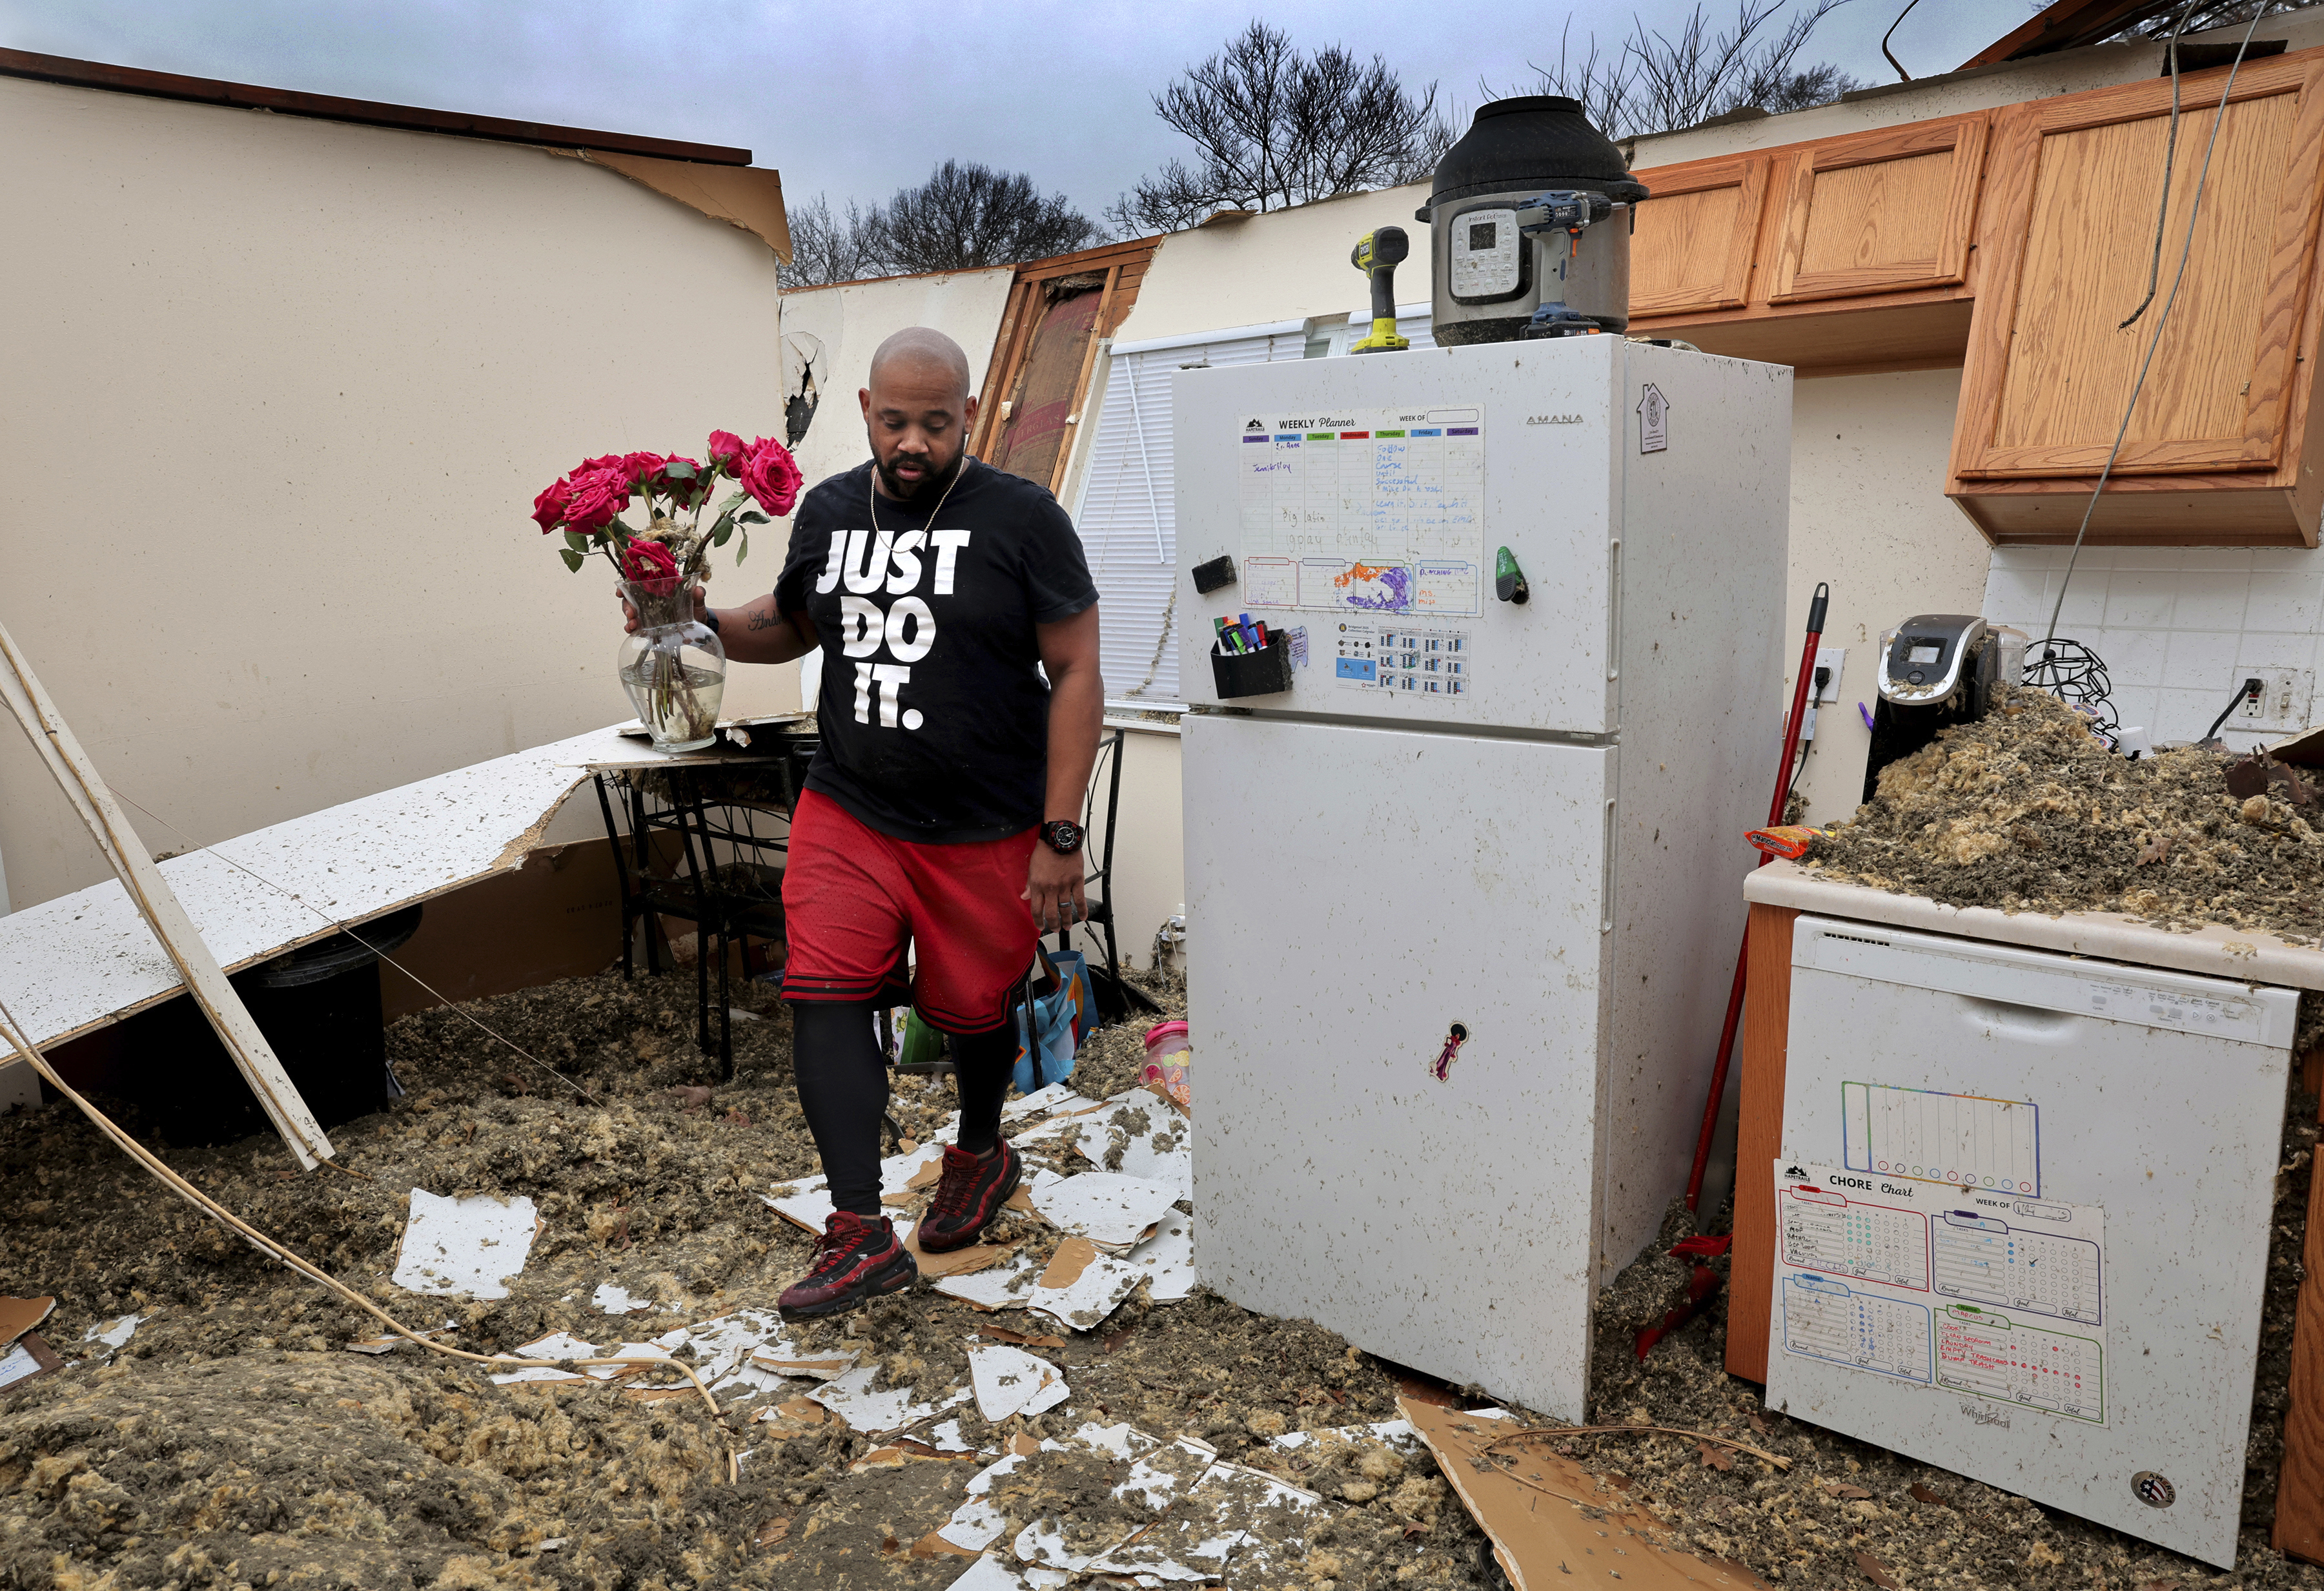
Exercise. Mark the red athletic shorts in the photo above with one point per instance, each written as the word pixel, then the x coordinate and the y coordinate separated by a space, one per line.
pixel 854 896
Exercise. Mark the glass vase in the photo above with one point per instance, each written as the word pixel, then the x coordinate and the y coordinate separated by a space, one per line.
pixel 672 666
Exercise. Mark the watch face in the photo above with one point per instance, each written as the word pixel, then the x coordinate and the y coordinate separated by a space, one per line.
pixel 1064 834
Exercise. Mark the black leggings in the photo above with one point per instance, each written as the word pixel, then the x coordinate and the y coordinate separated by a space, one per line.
pixel 842 1087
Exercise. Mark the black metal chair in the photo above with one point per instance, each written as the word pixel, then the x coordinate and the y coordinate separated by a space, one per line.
pixel 1116 996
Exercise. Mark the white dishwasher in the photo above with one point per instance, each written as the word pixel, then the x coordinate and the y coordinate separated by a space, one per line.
pixel 2021 1218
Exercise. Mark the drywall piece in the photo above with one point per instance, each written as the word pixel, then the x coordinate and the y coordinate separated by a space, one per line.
pixel 1139 1134
pixel 977 1523
pixel 556 1345
pixel 615 1299
pixel 807 1202
pixel 465 1247
pixel 1112 1211
pixel 1056 1097
pixel 850 1397
pixel 192 959
pixel 1078 1289
pixel 88 958
pixel 110 1336
pixel 1193 1541
pixel 19 1316
pixel 1553 1523
pixel 1165 1472
pixel 1167 1259
pixel 1010 1381
pixel 989 1573
pixel 1081 1286
pixel 1397 1434
pixel 785 1360
pixel 957 1262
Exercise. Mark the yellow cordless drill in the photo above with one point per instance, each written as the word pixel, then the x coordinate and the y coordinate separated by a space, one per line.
pixel 1378 254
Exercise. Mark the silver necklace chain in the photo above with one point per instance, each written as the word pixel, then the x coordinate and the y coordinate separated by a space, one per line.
pixel 871 493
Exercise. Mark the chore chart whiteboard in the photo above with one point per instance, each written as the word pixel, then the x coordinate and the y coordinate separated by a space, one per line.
pixel 1375 511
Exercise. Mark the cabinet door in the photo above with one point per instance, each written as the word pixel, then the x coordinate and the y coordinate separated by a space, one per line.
pixel 2070 234
pixel 1880 212
pixel 1697 236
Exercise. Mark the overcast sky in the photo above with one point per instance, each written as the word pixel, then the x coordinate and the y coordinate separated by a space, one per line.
pixel 858 99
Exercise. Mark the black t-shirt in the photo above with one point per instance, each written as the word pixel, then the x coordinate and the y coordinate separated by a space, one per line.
pixel 935 722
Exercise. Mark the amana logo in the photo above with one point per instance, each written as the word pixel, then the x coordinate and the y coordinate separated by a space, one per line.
pixel 1553 419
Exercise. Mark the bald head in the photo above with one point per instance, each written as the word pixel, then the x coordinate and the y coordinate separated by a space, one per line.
pixel 926 350
pixel 916 411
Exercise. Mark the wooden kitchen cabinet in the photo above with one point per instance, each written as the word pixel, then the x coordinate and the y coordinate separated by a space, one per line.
pixel 1697 239
pixel 2220 447
pixel 1843 255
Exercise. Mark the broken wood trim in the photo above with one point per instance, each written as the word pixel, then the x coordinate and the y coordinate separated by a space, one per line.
pixel 1072 443
pixel 86 789
pixel 1758 1137
pixel 2299 1527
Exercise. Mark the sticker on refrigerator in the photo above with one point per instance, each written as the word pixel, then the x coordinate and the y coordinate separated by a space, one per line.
pixel 1373 511
pixel 1965 1140
pixel 1826 1319
pixel 1423 664
pixel 2010 1359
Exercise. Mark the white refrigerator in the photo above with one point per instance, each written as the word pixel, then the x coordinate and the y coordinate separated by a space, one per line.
pixel 1462 873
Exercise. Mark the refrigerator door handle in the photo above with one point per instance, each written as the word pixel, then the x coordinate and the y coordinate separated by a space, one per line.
pixel 1605 882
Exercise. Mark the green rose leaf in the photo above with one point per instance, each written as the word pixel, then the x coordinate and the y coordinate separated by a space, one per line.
pixel 679 472
pixel 733 503
pixel 578 542
pixel 753 518
pixel 572 558
pixel 743 551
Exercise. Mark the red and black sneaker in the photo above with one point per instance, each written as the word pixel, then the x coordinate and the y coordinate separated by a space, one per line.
pixel 971 1193
pixel 854 1259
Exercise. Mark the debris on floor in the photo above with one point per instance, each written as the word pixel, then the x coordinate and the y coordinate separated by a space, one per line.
pixel 465 1247
pixel 1009 1380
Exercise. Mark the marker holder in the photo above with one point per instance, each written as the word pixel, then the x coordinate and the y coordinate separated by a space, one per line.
pixel 1264 672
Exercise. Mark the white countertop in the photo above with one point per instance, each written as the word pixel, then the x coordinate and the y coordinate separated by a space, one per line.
pixel 2241 954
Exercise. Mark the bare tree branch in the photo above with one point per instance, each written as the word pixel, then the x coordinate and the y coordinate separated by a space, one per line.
pixel 1661 82
pixel 963 217
pixel 1272 128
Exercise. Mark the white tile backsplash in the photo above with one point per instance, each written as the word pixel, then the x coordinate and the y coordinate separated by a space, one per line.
pixel 2176 627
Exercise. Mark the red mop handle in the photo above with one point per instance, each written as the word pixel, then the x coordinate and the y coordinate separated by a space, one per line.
pixel 1782 798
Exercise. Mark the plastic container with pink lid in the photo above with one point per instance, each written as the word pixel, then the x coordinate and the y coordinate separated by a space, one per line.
pixel 1168 1053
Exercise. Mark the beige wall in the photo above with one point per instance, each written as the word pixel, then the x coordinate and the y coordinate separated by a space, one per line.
pixel 1149 864
pixel 1870 516
pixel 855 317
pixel 281 394
pixel 1285 265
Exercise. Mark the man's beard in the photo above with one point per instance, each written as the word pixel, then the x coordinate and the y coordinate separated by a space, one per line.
pixel 937 481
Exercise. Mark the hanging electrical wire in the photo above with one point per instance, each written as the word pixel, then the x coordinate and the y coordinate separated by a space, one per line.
pixel 2179 277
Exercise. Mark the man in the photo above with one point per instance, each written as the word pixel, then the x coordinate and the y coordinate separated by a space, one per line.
pixel 941 808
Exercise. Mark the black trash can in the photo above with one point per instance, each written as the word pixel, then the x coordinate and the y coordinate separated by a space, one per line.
pixel 319 1007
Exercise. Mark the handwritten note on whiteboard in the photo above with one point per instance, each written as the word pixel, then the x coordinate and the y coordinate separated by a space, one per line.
pixel 1374 511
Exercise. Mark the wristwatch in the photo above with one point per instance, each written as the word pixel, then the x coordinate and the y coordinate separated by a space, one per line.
pixel 1064 837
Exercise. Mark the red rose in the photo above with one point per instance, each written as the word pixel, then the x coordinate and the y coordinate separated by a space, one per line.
pixel 649 560
pixel 597 495
pixel 591 465
pixel 640 468
pixel 549 508
pixel 671 487
pixel 770 476
pixel 725 450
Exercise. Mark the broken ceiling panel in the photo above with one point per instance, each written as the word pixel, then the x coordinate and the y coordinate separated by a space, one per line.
pixel 78 962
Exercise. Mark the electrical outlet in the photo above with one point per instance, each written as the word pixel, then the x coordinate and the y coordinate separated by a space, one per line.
pixel 1834 658
pixel 2282 707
